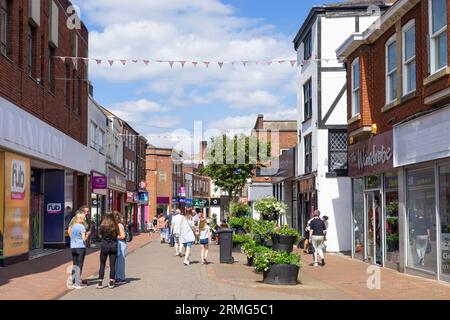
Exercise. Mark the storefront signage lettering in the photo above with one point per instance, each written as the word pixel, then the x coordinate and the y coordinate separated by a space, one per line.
pixel 374 158
pixel 99 183
pixel 17 179
pixel 116 180
pixel 54 208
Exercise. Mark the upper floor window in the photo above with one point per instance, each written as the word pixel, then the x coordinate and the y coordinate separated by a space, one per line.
pixel 31 50
pixel 4 25
pixel 51 69
pixel 391 70
pixel 438 35
pixel 307 47
pixel 308 154
pixel 307 96
pixel 93 134
pixel 162 176
pixel 356 88
pixel 409 57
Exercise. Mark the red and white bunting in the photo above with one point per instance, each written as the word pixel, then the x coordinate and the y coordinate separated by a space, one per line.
pixel 182 63
pixel 206 63
pixel 293 62
pixel 171 63
pixel 134 61
pixel 99 61
pixel 75 62
pixel 195 63
pixel 111 62
pixel 220 64
pixel 63 59
pixel 269 62
pixel 245 63
pixel 124 62
pixel 281 61
pixel 146 62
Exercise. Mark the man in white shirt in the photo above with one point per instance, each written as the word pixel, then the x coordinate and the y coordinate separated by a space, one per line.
pixel 175 231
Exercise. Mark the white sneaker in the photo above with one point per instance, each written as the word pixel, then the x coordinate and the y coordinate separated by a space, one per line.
pixel 186 263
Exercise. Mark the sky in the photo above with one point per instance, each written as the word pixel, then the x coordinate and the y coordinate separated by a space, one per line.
pixel 164 104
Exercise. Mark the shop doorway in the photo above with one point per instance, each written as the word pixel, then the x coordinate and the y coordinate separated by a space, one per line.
pixel 374 227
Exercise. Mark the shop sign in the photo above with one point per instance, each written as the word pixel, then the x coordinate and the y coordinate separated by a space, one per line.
pixel 374 155
pixel 143 198
pixel 116 180
pixel 174 201
pixel 54 208
pixel 162 200
pixel 182 192
pixel 307 185
pixel 182 200
pixel 143 185
pixel 136 197
pixel 15 222
pixel 189 203
pixel 201 203
pixel 99 183
pixel 215 202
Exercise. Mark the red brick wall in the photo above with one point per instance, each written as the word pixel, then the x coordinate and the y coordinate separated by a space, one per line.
pixel 373 76
pixel 16 85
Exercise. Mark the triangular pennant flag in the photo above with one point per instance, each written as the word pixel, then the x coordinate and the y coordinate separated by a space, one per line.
pixel 99 61
pixel 182 63
pixel 146 62
pixel 124 62
pixel 206 63
pixel 293 62
pixel 245 63
pixel 63 59
pixel 220 64
pixel 171 63
pixel 134 61
pixel 281 61
pixel 111 62
pixel 195 63
pixel 269 62
pixel 75 62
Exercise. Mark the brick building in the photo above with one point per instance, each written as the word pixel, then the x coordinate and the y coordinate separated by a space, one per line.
pixel 43 131
pixel 398 116
pixel 141 179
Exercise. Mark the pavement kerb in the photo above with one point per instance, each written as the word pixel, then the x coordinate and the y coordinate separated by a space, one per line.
pixel 95 274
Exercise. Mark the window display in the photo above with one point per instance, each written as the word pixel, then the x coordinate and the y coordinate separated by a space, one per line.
pixel 358 217
pixel 445 219
pixel 392 221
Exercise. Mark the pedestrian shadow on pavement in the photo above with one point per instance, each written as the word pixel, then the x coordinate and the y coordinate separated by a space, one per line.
pixel 36 266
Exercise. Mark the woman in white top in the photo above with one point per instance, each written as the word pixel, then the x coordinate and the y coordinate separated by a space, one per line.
pixel 187 236
pixel 205 238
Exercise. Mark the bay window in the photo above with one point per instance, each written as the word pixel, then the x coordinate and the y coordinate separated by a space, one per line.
pixel 409 58
pixel 438 35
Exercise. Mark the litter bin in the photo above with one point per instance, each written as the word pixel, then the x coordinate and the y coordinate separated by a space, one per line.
pixel 226 246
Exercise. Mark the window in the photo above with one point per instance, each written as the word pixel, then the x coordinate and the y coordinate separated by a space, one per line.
pixel 391 70
pixel 409 58
pixel 356 91
pixel 4 24
pixel 438 35
pixel 338 151
pixel 93 135
pixel 307 95
pixel 31 50
pixel 162 176
pixel 51 69
pixel 308 154
pixel 307 47
pixel 101 140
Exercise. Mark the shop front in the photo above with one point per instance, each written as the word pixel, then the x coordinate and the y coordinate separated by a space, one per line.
pixel 423 156
pixel 99 187
pixel 131 210
pixel 375 197
pixel 163 205
pixel 202 205
pixel 116 190
pixel 143 211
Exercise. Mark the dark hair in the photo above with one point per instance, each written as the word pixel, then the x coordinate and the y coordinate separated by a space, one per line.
pixel 189 212
pixel 118 217
pixel 109 225
pixel 325 218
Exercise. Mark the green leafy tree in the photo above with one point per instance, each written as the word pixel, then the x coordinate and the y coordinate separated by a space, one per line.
pixel 232 161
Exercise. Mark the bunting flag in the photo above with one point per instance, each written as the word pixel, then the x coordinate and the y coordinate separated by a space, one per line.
pixel 245 63
pixel 206 63
pixel 146 62
pixel 75 62
pixel 171 63
pixel 124 62
pixel 281 61
pixel 111 62
pixel 99 61
pixel 220 64
pixel 195 63
pixel 134 61
pixel 293 62
pixel 182 63
pixel 63 59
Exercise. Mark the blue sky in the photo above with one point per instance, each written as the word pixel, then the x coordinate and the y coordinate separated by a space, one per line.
pixel 159 101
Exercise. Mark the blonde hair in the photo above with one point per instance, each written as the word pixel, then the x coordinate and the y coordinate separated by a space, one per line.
pixel 80 217
pixel 202 224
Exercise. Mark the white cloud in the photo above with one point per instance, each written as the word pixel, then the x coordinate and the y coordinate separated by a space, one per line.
pixel 139 106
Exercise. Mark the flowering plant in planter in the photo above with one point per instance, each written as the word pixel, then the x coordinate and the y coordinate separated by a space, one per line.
pixel 286 231
pixel 250 248
pixel 270 207
pixel 266 259
pixel 239 209
pixel 262 230
pixel 240 239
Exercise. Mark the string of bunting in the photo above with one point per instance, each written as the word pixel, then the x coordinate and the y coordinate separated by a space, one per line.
pixel 183 63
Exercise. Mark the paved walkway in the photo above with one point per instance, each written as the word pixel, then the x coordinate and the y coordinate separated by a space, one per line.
pixel 155 273
pixel 45 278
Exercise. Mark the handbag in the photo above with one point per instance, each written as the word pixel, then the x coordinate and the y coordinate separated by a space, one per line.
pixel 172 241
pixel 429 247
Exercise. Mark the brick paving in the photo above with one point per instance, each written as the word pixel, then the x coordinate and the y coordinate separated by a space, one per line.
pixel 45 278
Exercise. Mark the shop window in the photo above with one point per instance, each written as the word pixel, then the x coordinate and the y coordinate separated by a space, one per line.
pixel 308 154
pixel 358 218
pixel 307 46
pixel 421 216
pixel 438 34
pixel 373 182
pixel 162 176
pixel 338 156
pixel 445 220
pixel 392 218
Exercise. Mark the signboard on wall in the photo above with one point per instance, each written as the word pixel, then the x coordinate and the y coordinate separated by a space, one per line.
pixel 372 156
pixel 55 214
pixel 17 205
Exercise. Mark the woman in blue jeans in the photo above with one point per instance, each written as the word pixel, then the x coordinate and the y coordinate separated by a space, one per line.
pixel 121 251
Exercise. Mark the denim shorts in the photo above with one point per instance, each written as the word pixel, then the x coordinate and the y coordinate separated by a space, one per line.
pixel 188 245
pixel 204 242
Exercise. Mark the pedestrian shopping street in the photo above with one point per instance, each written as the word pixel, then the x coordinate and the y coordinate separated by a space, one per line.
pixel 154 273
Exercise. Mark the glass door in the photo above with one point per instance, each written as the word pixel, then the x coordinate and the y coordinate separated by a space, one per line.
pixel 374 227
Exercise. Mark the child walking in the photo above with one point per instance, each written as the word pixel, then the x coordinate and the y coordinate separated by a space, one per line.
pixel 205 239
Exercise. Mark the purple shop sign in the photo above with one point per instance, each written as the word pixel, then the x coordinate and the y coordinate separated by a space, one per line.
pixel 99 183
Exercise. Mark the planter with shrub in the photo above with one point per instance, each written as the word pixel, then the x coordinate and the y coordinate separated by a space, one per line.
pixel 249 249
pixel 279 267
pixel 239 240
pixel 284 239
pixel 239 210
pixel 261 232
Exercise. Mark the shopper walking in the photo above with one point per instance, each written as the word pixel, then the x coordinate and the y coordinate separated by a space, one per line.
pixel 187 236
pixel 78 237
pixel 162 227
pixel 317 233
pixel 205 239
pixel 175 231
pixel 109 234
pixel 169 222
pixel 121 250
pixel 307 237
